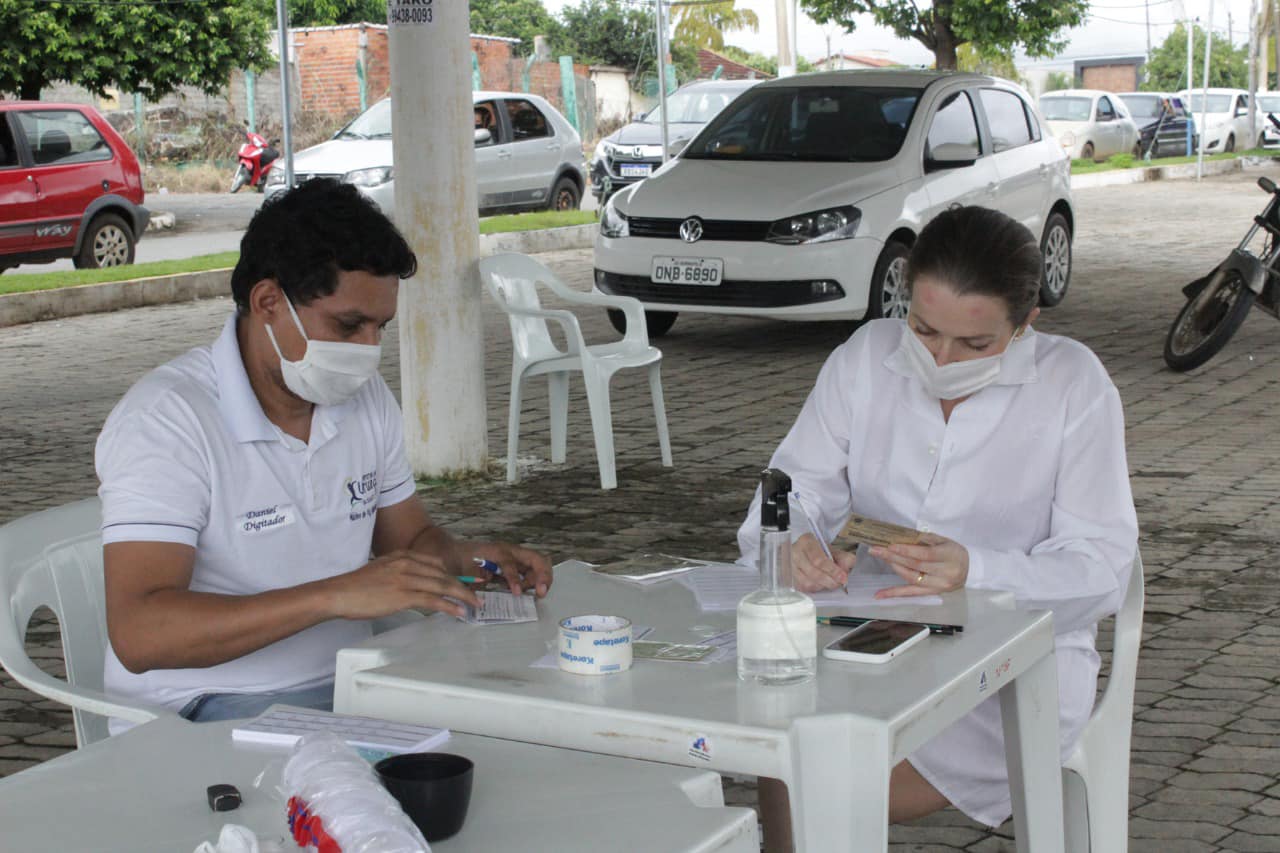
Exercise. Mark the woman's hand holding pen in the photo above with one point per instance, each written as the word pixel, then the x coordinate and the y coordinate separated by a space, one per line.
pixel 936 565
pixel 814 570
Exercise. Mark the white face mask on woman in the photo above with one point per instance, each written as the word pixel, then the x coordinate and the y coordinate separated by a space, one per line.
pixel 957 379
pixel 329 372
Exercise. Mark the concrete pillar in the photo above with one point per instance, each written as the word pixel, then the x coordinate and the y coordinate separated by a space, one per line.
pixel 441 336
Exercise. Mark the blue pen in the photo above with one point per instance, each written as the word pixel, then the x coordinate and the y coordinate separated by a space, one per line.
pixel 488 565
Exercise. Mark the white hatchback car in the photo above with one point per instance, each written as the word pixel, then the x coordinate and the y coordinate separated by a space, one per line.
pixel 801 200
pixel 1090 124
pixel 1225 124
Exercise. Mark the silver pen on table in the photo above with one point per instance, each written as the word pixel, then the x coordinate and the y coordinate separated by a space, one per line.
pixel 813 528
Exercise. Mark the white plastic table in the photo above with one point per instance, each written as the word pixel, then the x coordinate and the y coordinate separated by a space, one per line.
pixel 145 790
pixel 832 740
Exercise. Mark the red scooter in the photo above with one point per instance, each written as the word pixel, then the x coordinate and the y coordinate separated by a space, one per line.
pixel 256 157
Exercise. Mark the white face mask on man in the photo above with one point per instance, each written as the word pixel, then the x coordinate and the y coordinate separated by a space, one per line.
pixel 957 379
pixel 329 372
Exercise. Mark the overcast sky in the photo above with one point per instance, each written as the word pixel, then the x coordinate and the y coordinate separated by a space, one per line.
pixel 1115 27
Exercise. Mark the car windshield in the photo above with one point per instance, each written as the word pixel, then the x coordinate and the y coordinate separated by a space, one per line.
pixel 1217 103
pixel 373 123
pixel 693 107
pixel 1269 103
pixel 1143 106
pixel 831 124
pixel 1066 109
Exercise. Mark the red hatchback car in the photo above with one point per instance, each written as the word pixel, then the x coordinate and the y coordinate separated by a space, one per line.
pixel 69 187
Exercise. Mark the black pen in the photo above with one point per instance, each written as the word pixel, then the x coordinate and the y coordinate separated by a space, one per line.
pixel 855 621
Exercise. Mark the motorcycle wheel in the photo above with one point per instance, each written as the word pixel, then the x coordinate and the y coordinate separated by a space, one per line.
pixel 241 178
pixel 1208 320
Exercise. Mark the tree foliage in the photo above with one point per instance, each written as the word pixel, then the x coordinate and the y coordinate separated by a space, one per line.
pixel 327 13
pixel 763 62
pixel 704 24
pixel 521 19
pixel 151 48
pixel 1057 80
pixel 946 24
pixel 996 63
pixel 1166 71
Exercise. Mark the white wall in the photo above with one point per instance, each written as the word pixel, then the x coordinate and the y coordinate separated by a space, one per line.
pixel 614 98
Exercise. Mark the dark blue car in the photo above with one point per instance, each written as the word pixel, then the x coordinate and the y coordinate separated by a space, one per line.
pixel 1162 121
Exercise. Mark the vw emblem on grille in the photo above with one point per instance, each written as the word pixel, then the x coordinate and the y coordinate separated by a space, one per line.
pixel 637 152
pixel 691 230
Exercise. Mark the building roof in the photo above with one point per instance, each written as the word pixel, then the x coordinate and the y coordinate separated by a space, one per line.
pixel 861 59
pixel 709 60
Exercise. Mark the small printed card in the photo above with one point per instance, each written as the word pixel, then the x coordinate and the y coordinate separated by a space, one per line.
pixel 500 607
pixel 872 532
pixel 652 650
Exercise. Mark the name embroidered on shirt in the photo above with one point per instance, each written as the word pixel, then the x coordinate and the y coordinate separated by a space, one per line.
pixel 266 519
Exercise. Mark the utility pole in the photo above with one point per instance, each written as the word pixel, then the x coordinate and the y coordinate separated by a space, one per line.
pixel 282 24
pixel 1204 92
pixel 1253 72
pixel 442 383
pixel 1275 35
pixel 1146 5
pixel 786 56
pixel 662 77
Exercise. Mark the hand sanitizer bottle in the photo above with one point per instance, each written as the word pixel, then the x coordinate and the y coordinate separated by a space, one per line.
pixel 777 626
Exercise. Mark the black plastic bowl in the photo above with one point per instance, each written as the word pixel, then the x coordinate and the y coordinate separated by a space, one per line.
pixel 433 788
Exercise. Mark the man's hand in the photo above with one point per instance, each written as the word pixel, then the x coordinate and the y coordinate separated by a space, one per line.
pixel 522 568
pixel 398 581
pixel 814 572
pixel 936 565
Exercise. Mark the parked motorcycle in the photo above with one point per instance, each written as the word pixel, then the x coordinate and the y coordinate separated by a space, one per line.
pixel 256 157
pixel 1218 302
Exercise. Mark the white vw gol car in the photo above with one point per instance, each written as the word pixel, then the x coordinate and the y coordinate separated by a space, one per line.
pixel 801 200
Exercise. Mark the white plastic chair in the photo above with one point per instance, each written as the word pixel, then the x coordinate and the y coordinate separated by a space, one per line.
pixel 512 280
pixel 1095 778
pixel 54 558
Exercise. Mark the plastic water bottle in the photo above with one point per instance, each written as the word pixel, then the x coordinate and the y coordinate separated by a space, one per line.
pixel 777 626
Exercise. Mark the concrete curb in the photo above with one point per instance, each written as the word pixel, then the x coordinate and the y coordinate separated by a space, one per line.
pixel 1180 171
pixel 16 308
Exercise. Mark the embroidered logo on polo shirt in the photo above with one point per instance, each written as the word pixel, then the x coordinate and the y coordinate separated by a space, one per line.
pixel 266 519
pixel 362 493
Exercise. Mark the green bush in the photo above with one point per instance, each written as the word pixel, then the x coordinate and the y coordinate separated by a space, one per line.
pixel 1120 161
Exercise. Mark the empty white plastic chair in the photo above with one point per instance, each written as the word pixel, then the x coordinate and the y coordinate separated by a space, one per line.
pixel 512 281
pixel 1095 778
pixel 54 558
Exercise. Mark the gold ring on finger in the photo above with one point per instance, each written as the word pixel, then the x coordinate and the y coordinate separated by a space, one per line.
pixel 920 579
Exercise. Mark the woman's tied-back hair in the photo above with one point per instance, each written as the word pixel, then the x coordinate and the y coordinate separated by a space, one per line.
pixel 982 251
pixel 304 237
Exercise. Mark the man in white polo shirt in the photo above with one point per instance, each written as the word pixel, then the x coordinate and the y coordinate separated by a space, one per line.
pixel 245 485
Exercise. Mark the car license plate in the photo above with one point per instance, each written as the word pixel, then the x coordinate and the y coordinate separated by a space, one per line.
pixel 634 170
pixel 706 271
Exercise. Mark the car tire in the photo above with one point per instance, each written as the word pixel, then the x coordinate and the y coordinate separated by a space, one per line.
pixel 108 242
pixel 565 195
pixel 888 294
pixel 1086 153
pixel 1231 143
pixel 1055 252
pixel 658 323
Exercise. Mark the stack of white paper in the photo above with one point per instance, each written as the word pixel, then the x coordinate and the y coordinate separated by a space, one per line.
pixel 281 725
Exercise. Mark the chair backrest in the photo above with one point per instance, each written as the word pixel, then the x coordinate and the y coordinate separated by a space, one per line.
pixel 512 280
pixel 54 558
pixel 54 145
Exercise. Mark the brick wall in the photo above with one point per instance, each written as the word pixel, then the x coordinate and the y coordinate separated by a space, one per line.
pixel 1110 78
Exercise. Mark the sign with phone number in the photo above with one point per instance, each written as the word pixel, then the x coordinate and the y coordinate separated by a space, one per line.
pixel 409 12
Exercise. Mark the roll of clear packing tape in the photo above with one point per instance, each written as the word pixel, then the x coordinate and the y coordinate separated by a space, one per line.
pixel 595 645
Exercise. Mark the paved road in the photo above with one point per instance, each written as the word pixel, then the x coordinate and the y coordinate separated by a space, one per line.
pixel 1202 453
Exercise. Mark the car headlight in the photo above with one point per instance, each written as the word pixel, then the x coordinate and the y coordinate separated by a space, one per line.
pixel 1067 138
pixel 275 178
pixel 603 151
pixel 823 226
pixel 613 223
pixel 375 177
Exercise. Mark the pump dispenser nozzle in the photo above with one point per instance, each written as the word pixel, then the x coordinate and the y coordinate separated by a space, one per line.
pixel 775 485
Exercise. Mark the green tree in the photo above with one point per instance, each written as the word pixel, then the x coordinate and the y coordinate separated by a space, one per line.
pixel 1166 71
pixel 996 63
pixel 609 32
pixel 327 13
pixel 703 24
pixel 763 62
pixel 947 24
pixel 1057 80
pixel 151 48
pixel 521 19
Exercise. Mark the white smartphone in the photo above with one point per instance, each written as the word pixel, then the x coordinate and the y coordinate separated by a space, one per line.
pixel 876 641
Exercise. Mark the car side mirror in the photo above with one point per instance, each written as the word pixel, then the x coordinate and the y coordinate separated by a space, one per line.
pixel 483 136
pixel 1241 111
pixel 950 155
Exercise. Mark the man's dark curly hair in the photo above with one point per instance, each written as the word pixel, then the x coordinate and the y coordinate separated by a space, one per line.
pixel 304 237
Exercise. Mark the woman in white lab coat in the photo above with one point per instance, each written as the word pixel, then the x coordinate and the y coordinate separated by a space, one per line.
pixel 1004 445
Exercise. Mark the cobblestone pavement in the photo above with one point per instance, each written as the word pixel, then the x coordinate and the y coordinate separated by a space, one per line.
pixel 1206 476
